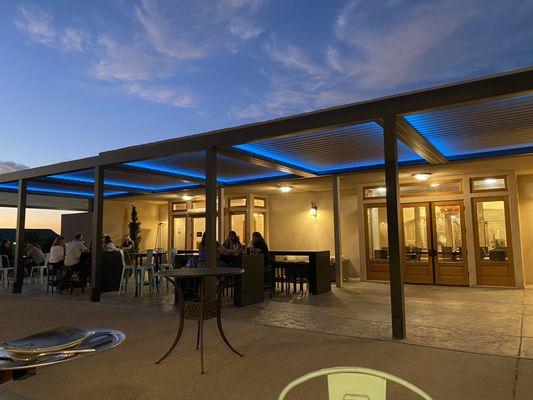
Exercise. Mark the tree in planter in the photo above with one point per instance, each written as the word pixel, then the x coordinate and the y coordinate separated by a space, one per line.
pixel 135 229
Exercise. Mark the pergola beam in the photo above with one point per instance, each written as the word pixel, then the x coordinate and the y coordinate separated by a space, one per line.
pixel 75 183
pixel 19 238
pixel 265 162
pixel 140 170
pixel 416 142
pixel 393 227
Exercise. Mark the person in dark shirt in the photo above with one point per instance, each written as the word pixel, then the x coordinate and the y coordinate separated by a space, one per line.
pixel 7 250
pixel 232 244
pixel 259 246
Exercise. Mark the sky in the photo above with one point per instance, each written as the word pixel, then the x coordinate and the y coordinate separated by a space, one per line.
pixel 81 77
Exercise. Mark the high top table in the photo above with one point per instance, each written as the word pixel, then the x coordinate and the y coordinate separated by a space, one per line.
pixel 202 308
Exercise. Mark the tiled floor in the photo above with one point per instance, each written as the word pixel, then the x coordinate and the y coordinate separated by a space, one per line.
pixel 480 320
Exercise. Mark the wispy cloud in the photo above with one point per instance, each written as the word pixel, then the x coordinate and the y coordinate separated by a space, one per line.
pixel 38 26
pixel 182 98
pixel 167 37
pixel 10 166
pixel 378 48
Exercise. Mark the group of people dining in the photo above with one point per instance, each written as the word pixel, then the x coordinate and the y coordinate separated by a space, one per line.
pixel 233 246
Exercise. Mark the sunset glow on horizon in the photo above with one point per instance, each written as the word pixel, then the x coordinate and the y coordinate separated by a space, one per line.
pixel 35 218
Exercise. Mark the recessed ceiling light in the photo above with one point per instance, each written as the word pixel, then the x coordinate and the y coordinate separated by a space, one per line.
pixel 422 176
pixel 186 197
pixel 285 189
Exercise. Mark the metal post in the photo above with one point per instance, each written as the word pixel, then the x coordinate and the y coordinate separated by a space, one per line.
pixel 19 239
pixel 393 221
pixel 337 230
pixel 211 206
pixel 98 219
pixel 221 206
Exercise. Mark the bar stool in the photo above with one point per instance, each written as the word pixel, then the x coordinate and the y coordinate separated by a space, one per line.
pixel 148 269
pixel 128 269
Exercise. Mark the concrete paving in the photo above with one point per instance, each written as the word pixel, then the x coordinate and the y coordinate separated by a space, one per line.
pixel 273 357
pixel 462 343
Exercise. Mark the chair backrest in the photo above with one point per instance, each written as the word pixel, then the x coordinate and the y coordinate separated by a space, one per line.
pixel 149 257
pixel 46 259
pixel 4 261
pixel 351 383
pixel 123 257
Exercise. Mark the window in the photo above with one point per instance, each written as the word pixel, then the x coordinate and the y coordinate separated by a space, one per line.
pixel 179 206
pixel 378 241
pixel 374 192
pixel 198 205
pixel 488 183
pixel 237 202
pixel 259 223
pixel 259 202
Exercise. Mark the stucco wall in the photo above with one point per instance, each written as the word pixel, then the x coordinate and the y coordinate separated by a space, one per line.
pixel 292 228
pixel 525 200
pixel 117 216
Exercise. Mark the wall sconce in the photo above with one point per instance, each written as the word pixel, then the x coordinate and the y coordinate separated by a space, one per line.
pixel 313 211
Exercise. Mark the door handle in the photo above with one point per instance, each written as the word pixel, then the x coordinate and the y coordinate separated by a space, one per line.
pixel 432 253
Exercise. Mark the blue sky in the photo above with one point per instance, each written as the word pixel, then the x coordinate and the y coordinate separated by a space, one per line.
pixel 80 77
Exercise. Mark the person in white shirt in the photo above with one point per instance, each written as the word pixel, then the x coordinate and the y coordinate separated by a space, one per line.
pixel 57 251
pixel 73 251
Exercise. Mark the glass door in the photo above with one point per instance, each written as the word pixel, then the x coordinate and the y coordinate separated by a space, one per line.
pixel 377 253
pixel 179 233
pixel 448 244
pixel 492 235
pixel 418 266
pixel 198 228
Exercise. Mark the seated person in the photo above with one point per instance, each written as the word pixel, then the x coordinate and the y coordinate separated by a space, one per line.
pixel 57 252
pixel 202 253
pixel 232 244
pixel 33 251
pixel 108 244
pixel 259 246
pixel 7 250
pixel 127 243
pixel 73 252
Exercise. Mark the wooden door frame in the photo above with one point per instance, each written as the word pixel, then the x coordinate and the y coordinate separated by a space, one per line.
pixel 508 235
pixel 461 204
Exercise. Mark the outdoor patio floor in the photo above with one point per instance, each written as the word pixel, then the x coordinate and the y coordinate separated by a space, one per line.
pixel 273 355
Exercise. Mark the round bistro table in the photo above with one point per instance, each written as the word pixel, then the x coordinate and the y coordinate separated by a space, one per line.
pixel 201 309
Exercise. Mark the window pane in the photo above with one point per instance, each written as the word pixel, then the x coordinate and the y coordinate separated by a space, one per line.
pixel 198 205
pixel 238 224
pixel 198 231
pixel 488 184
pixel 179 233
pixel 449 237
pixel 240 202
pixel 492 230
pixel 374 192
pixel 179 206
pixel 259 223
pixel 259 202
pixel 377 233
pixel 415 233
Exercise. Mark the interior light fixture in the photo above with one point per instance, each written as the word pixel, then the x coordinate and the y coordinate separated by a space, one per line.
pixel 435 185
pixel 490 181
pixel 422 176
pixel 313 211
pixel 285 189
pixel 186 197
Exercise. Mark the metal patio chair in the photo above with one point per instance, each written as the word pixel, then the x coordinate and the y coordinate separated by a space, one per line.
pixel 5 269
pixel 352 383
